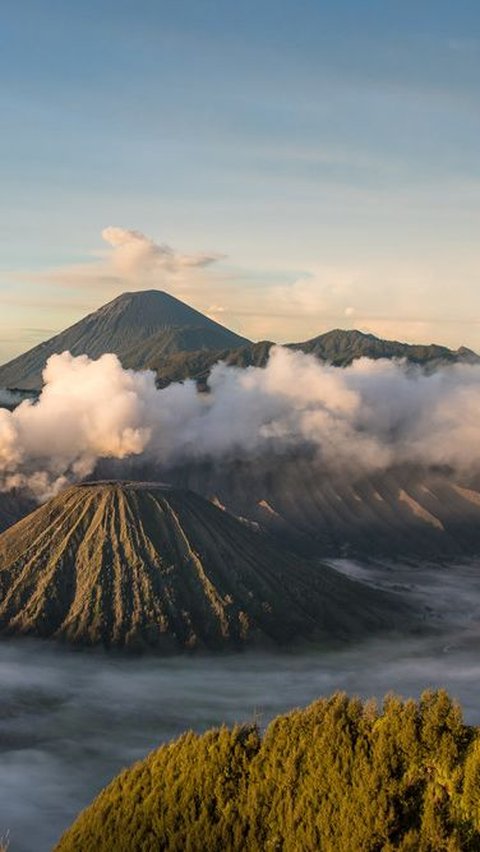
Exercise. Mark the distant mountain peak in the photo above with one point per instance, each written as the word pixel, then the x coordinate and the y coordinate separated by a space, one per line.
pixel 153 310
pixel 125 326
pixel 151 329
pixel 345 334
pixel 343 346
pixel 156 299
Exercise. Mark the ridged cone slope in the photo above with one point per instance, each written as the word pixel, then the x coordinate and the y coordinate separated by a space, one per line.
pixel 403 512
pixel 124 564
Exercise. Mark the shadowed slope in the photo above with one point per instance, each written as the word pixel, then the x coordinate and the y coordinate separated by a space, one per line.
pixel 171 366
pixel 126 565
pixel 408 511
pixel 171 342
pixel 14 505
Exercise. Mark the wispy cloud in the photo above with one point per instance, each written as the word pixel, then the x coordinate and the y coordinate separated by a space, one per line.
pixel 134 254
pixel 132 258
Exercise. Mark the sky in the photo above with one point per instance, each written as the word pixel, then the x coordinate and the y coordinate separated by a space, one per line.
pixel 286 167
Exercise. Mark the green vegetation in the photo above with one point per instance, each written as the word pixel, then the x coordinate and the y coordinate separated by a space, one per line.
pixel 338 776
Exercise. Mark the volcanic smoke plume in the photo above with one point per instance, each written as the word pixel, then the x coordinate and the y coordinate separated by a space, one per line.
pixel 360 419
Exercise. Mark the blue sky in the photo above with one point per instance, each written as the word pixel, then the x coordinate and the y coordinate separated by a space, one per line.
pixel 329 151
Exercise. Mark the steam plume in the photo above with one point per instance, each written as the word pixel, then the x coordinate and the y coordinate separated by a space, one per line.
pixel 363 418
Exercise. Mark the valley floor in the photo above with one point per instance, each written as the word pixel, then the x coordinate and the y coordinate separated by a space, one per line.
pixel 69 721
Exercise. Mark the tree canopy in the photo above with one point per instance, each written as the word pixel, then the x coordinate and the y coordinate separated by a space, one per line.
pixel 338 776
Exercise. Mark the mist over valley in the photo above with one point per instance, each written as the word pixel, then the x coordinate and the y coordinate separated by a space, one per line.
pixel 71 720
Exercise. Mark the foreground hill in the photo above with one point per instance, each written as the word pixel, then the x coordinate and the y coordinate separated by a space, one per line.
pixel 142 565
pixel 131 326
pixel 339 776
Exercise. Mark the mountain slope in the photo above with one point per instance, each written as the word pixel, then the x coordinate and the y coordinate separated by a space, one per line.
pixel 401 512
pixel 340 347
pixel 14 505
pixel 125 564
pixel 170 341
pixel 179 366
pixel 120 326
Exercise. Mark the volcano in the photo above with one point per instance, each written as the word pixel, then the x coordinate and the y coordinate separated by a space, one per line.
pixel 150 329
pixel 132 326
pixel 137 565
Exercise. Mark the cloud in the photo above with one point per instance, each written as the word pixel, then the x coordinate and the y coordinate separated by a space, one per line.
pixel 414 301
pixel 136 255
pixel 132 260
pixel 72 425
pixel 356 420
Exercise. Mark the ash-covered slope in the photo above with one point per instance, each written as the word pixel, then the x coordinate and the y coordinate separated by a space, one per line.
pixel 132 326
pixel 401 512
pixel 14 505
pixel 138 565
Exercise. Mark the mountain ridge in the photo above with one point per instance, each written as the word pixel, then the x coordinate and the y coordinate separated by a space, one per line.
pixel 150 329
pixel 338 347
pixel 341 346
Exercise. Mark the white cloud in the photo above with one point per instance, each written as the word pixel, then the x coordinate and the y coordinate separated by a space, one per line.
pixel 359 419
pixel 134 255
pixel 413 301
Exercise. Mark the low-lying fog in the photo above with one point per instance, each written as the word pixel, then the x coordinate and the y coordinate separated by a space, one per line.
pixel 69 721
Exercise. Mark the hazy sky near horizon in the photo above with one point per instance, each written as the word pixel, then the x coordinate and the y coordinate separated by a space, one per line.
pixel 311 164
